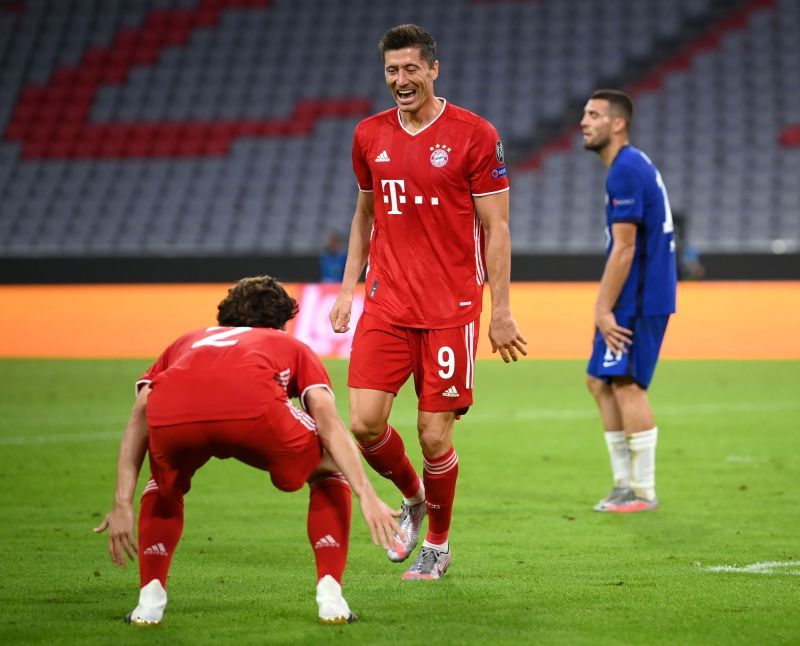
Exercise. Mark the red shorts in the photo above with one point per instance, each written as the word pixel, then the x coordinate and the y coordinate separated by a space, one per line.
pixel 282 441
pixel 442 362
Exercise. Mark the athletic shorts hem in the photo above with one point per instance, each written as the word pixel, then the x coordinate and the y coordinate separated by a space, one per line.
pixel 639 362
pixel 609 379
pixel 458 410
pixel 367 386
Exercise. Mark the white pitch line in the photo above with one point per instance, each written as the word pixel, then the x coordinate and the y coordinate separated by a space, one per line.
pixel 740 407
pixel 746 459
pixel 19 440
pixel 591 413
pixel 514 415
pixel 49 421
pixel 763 567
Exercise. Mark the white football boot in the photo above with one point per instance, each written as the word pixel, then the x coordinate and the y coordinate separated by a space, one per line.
pixel 152 601
pixel 333 608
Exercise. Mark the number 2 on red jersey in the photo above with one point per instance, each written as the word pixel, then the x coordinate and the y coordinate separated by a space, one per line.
pixel 221 339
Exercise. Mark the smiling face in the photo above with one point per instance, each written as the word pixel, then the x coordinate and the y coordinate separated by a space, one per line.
pixel 410 80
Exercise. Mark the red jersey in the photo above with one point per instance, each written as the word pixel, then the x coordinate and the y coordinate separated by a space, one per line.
pixel 226 373
pixel 426 267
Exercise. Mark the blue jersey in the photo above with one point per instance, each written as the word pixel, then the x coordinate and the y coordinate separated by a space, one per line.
pixel 635 193
pixel 331 267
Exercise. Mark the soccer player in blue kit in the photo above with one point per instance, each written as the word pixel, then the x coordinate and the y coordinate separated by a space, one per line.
pixel 634 302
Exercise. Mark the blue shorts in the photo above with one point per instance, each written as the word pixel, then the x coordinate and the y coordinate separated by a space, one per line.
pixel 639 362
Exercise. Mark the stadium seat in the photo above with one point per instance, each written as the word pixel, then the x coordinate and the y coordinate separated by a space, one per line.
pixel 193 109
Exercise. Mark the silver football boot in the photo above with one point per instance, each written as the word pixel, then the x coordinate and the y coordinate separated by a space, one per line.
pixel 632 504
pixel 616 495
pixel 430 564
pixel 410 522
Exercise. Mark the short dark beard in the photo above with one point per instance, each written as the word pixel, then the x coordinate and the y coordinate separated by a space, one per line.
pixel 597 147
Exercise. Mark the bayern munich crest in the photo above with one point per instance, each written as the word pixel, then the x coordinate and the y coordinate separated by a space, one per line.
pixel 439 155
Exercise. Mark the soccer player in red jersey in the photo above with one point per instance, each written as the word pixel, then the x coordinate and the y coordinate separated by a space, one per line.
pixel 224 392
pixel 431 222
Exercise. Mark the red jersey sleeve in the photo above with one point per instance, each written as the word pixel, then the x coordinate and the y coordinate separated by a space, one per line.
pixel 159 366
pixel 487 164
pixel 360 165
pixel 309 373
pixel 167 358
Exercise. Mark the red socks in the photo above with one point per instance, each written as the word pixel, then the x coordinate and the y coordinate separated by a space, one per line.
pixel 160 529
pixel 161 526
pixel 439 475
pixel 387 455
pixel 329 508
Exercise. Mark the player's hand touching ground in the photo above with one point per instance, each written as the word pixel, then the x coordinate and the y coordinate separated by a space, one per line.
pixel 340 313
pixel 380 519
pixel 506 338
pixel 617 338
pixel 121 542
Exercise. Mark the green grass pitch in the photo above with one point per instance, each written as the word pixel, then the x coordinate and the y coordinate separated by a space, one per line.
pixel 531 562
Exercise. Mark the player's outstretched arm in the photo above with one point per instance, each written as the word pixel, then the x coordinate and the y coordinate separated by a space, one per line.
pixel 357 254
pixel 339 444
pixel 615 274
pixel 119 521
pixel 504 334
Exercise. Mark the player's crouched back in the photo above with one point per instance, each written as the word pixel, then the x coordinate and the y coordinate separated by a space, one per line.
pixel 226 391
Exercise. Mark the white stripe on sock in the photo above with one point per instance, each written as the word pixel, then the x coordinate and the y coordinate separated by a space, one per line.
pixel 440 468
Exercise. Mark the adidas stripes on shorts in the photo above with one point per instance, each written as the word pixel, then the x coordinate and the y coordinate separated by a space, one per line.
pixel 442 362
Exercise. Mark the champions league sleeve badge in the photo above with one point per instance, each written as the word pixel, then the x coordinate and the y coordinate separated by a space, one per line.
pixel 498 152
pixel 439 156
pixel 499 171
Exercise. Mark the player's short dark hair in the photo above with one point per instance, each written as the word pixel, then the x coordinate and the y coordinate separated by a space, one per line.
pixel 257 301
pixel 619 101
pixel 409 35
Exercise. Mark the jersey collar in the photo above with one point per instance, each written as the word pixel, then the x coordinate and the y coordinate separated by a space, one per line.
pixel 427 125
pixel 616 157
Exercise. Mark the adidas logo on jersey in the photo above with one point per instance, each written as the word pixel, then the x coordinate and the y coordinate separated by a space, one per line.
pixel 156 550
pixel 450 392
pixel 326 541
pixel 383 157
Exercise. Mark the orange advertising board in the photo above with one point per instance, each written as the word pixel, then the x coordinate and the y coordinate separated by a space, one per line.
pixel 715 320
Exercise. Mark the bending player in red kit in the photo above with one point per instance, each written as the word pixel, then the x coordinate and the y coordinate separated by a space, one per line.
pixel 224 392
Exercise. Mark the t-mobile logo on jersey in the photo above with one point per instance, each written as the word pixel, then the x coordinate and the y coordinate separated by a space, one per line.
pixel 397 195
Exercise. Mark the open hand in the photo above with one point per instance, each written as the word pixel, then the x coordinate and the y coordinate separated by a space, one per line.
pixel 381 520
pixel 505 337
pixel 121 542
pixel 617 338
